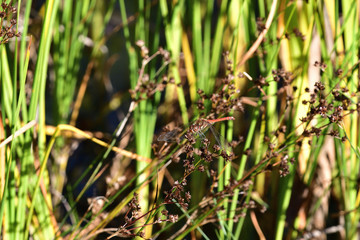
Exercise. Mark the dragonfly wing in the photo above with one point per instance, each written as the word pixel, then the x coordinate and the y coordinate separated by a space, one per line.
pixel 171 136
pixel 220 140
pixel 167 136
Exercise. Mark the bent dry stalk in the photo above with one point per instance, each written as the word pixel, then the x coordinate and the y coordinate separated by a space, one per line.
pixel 199 127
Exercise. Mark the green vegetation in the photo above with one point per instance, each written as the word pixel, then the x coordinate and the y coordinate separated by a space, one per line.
pixel 87 88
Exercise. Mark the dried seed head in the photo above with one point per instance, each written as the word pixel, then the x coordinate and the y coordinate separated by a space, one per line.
pixel 339 72
pixel 173 218
pixel 248 152
pixel 140 43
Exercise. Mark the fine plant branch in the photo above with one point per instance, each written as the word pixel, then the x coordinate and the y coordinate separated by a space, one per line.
pixel 18 133
pixel 81 93
pixel 262 35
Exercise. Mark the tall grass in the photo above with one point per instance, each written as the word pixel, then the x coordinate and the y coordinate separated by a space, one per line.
pixel 88 86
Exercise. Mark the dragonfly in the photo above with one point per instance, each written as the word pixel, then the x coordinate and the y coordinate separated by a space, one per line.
pixel 199 127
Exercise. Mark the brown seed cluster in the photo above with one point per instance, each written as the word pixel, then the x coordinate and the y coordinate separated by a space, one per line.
pixel 146 87
pixel 331 108
pixel 322 65
pixel 280 75
pixel 328 107
pixel 203 152
pixel 260 24
pixel 298 34
pixel 133 215
pixel 225 99
pixel 8 30
pixel 178 194
pixel 284 166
